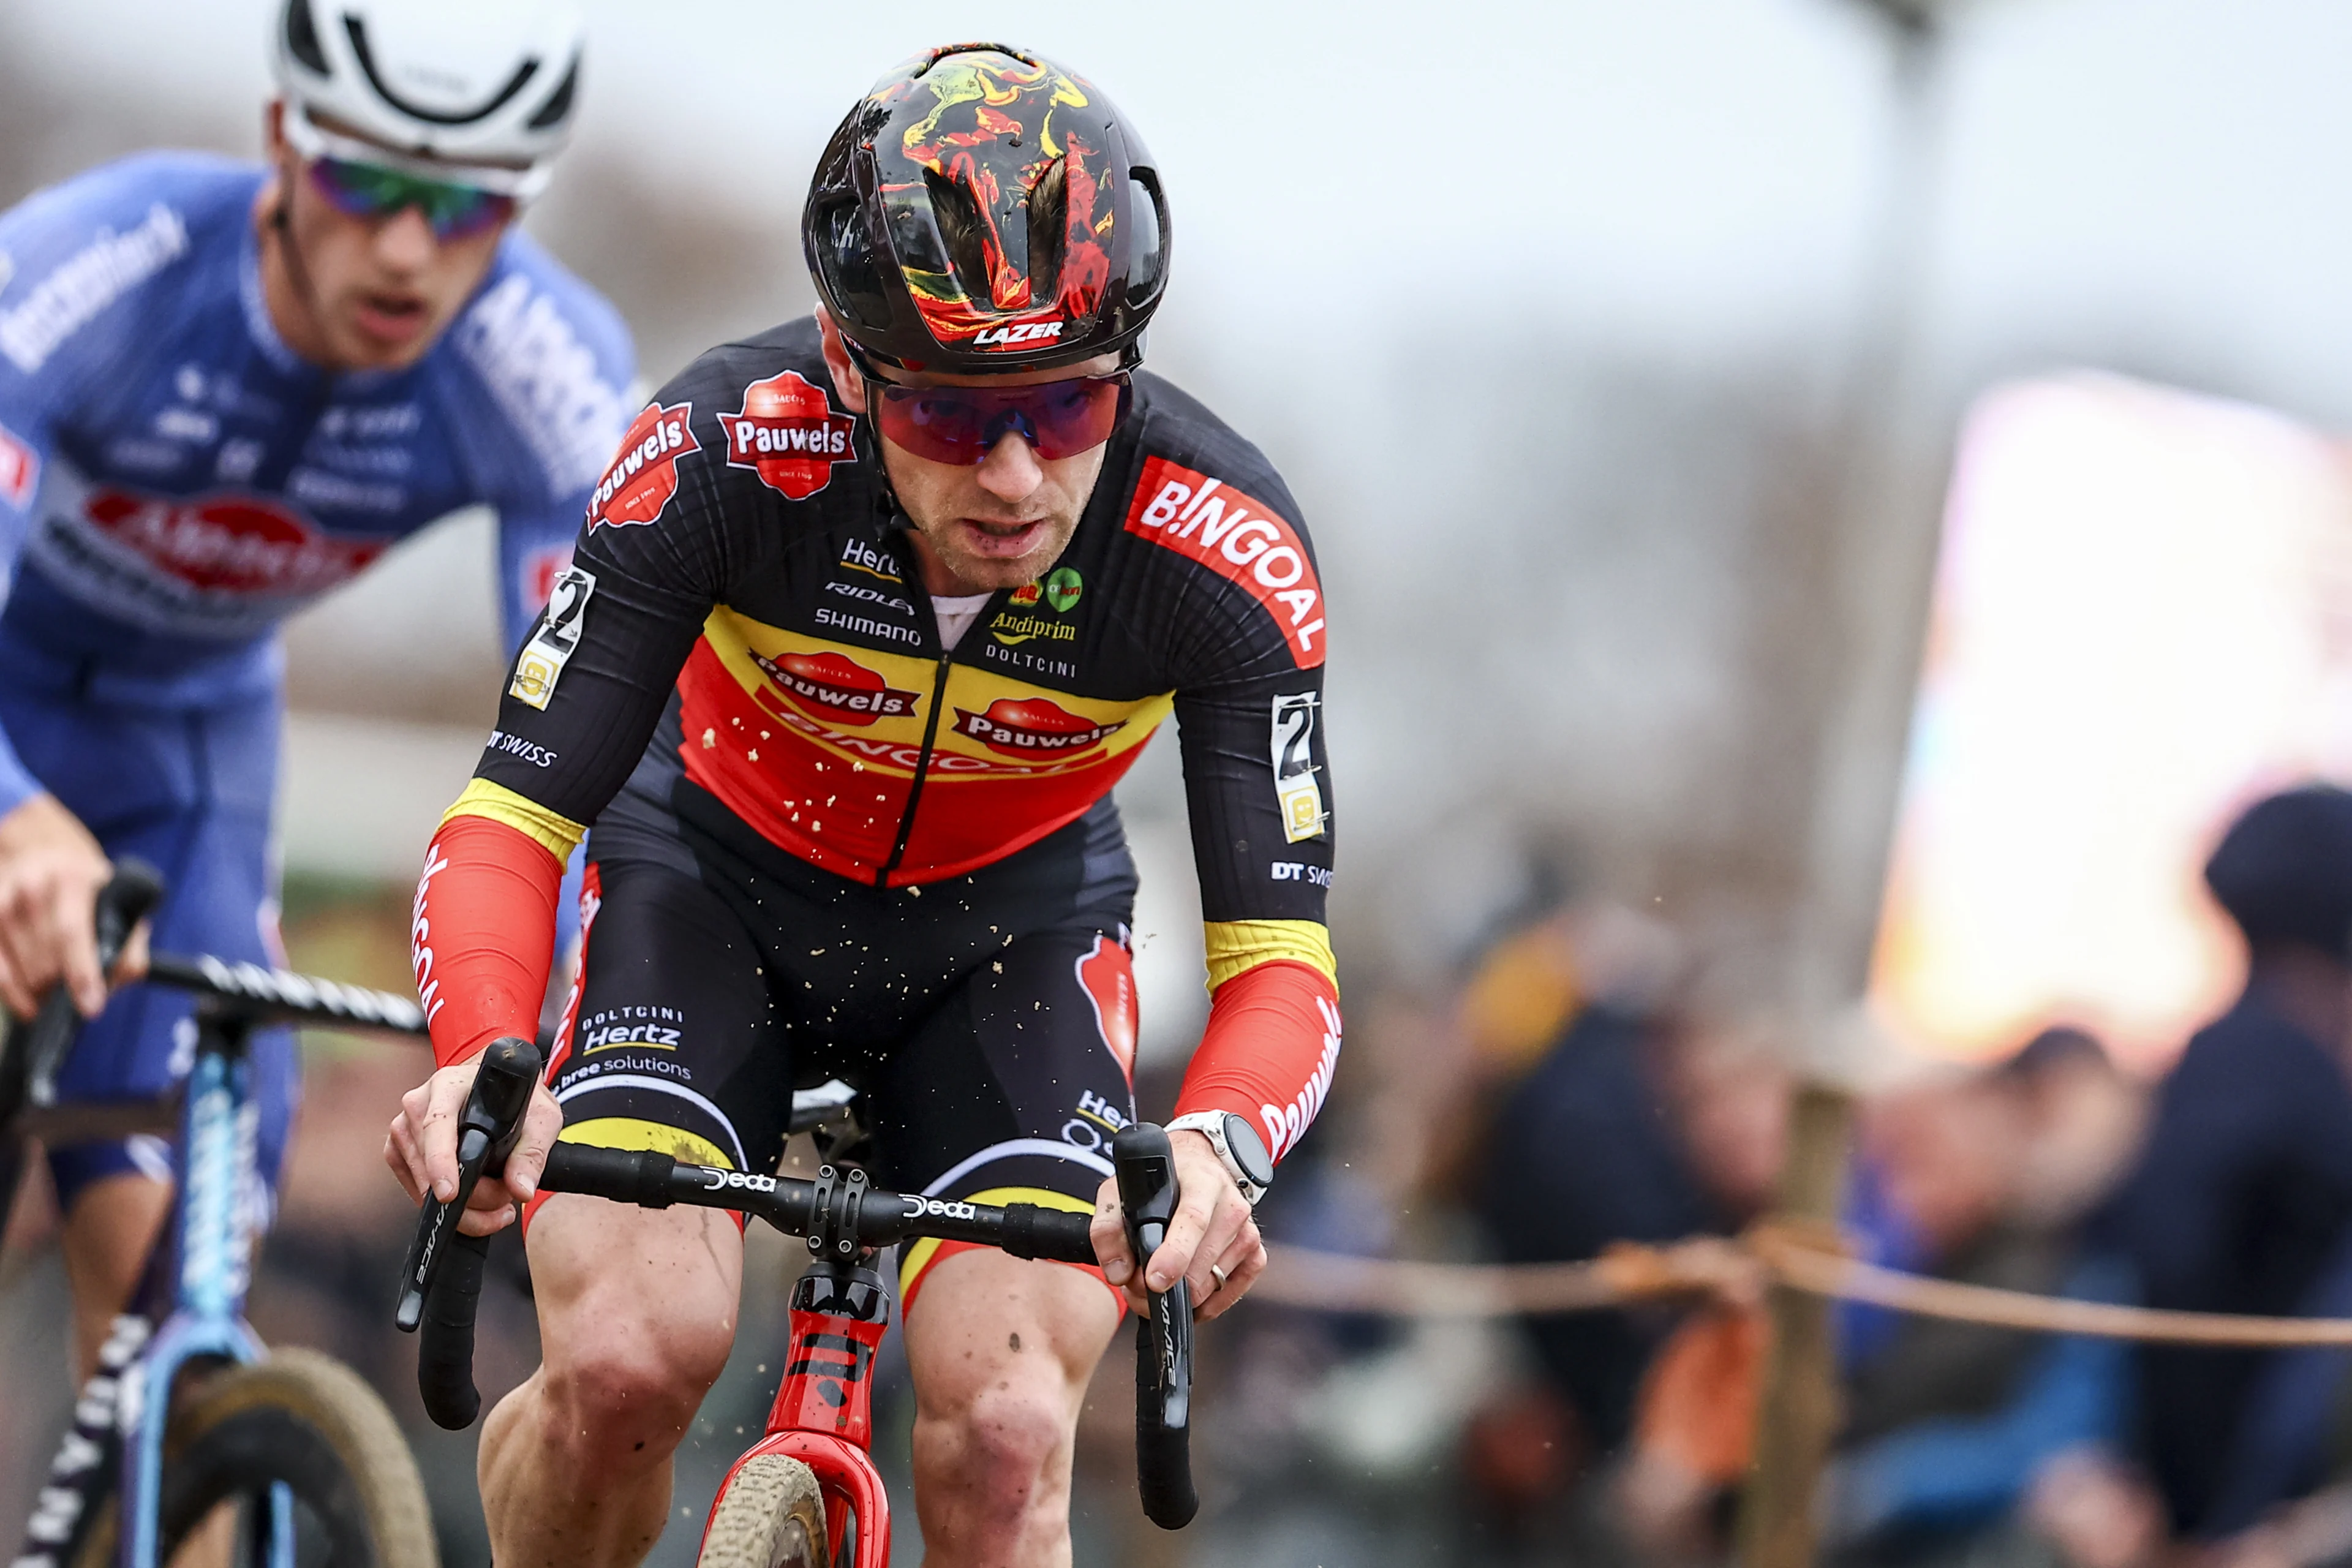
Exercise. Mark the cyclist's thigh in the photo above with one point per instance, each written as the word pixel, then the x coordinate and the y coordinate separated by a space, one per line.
pixel 1011 1090
pixel 671 1042
pixel 190 793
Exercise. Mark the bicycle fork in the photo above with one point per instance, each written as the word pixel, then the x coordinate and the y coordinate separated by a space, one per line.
pixel 824 1413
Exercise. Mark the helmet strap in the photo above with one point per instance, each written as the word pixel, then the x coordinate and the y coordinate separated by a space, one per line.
pixel 298 272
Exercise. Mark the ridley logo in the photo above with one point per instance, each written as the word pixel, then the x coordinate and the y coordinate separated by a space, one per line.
pixel 645 475
pixel 1240 539
pixel 836 688
pixel 1033 727
pixel 20 470
pixel 788 435
pixel 229 543
pixel 1026 333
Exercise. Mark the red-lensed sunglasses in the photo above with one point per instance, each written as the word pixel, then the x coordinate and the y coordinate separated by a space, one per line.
pixel 963 424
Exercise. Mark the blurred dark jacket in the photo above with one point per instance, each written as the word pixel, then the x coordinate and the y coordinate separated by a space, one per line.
pixel 2240 1203
pixel 1583 1153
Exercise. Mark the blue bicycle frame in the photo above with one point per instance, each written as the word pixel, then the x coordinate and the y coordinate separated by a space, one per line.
pixel 197 1286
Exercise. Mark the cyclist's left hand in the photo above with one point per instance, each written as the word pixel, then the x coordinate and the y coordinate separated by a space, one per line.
pixel 1213 1227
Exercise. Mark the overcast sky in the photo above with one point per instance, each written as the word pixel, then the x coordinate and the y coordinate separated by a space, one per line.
pixel 2161 178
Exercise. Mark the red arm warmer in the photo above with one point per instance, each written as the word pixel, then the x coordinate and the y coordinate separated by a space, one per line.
pixel 482 937
pixel 1272 1042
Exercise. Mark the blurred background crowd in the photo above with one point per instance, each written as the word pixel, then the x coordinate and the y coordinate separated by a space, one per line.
pixel 1572 326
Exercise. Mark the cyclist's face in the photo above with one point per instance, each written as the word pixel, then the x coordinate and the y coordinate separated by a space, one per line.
pixel 371 293
pixel 994 524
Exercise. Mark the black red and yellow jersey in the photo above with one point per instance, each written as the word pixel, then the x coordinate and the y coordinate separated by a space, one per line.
pixel 741 560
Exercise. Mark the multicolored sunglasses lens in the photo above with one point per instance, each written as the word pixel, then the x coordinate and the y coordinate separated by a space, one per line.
pixel 364 189
pixel 963 424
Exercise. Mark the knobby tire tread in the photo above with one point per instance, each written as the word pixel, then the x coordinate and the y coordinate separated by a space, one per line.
pixel 771 1515
pixel 303 1419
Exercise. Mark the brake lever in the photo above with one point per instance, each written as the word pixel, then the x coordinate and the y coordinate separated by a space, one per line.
pixel 1147 1192
pixel 122 904
pixel 487 1130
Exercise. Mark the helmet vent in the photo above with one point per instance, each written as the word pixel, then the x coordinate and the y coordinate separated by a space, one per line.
pixel 302 37
pixel 847 262
pixel 1147 252
pixel 558 104
pixel 1049 222
pixel 964 230
pixel 358 32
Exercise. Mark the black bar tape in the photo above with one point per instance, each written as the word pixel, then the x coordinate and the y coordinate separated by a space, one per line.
pixel 1032 1230
pixel 445 1350
pixel 640 1176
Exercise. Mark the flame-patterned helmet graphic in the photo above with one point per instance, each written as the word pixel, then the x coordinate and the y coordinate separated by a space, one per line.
pixel 984 210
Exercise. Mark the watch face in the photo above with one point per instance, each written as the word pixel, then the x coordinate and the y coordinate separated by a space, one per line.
pixel 1248 1150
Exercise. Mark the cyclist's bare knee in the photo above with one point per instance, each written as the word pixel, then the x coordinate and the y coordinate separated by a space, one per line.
pixel 636 1314
pixel 1001 1351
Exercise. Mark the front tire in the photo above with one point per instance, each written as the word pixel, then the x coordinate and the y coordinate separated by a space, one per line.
pixel 304 1420
pixel 769 1516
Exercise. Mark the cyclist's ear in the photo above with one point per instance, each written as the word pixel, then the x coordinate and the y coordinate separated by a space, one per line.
pixel 847 381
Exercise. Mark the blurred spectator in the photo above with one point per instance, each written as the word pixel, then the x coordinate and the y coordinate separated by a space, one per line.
pixel 1948 1424
pixel 1625 1129
pixel 1980 1178
pixel 2242 1198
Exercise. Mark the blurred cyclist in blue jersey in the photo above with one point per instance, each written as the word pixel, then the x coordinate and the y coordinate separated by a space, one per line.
pixel 224 389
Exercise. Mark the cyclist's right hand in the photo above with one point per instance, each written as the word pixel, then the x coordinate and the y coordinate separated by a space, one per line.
pixel 50 873
pixel 422 1148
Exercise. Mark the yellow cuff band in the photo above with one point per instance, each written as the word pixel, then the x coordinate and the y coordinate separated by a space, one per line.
pixel 1236 947
pixel 560 834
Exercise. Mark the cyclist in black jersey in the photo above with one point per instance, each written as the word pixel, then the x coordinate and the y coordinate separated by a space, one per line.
pixel 867 619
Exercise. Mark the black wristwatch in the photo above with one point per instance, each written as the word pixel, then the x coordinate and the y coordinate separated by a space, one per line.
pixel 1237 1145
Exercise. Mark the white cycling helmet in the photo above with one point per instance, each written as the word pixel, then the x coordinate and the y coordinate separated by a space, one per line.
pixel 489 84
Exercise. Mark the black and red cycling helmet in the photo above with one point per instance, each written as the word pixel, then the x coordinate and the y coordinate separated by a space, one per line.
pixel 983 209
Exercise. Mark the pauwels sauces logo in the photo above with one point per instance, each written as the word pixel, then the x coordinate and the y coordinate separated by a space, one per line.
pixel 1106 974
pixel 234 544
pixel 834 687
pixel 1241 539
pixel 554 640
pixel 1294 767
pixel 1033 727
pixel 641 480
pixel 20 470
pixel 788 434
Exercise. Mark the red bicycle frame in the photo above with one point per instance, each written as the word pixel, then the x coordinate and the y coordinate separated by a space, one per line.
pixel 824 1413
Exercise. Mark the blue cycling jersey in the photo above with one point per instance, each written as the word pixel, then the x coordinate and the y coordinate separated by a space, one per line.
pixel 174 481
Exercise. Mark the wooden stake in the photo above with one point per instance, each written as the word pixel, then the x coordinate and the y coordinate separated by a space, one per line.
pixel 1799 1416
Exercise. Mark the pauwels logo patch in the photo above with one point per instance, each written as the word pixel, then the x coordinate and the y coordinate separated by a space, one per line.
pixel 834 687
pixel 788 435
pixel 1239 538
pixel 1294 767
pixel 1033 727
pixel 554 641
pixel 644 477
